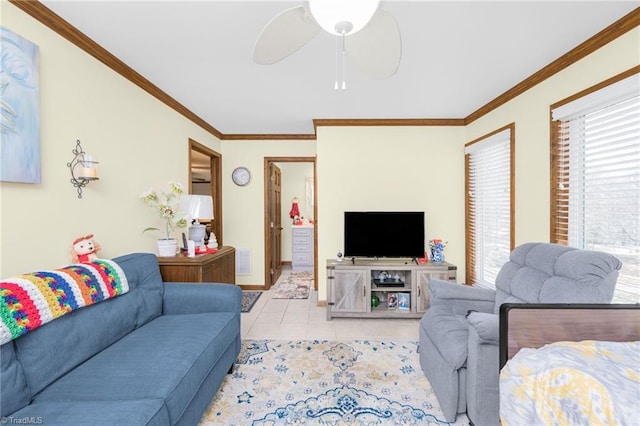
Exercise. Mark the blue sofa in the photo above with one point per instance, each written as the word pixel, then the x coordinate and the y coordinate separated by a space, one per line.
pixel 153 356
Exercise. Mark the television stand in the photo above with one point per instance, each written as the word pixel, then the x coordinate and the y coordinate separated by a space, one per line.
pixel 382 288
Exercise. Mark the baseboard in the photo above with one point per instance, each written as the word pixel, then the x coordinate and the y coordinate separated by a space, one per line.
pixel 251 287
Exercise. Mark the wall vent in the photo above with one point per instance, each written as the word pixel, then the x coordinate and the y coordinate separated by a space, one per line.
pixel 243 261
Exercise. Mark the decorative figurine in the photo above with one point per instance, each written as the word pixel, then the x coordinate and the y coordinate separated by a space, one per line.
pixel 84 249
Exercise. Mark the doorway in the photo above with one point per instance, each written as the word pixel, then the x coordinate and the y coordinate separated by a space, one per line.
pixel 273 226
pixel 205 178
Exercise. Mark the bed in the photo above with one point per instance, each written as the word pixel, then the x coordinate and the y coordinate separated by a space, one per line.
pixel 569 364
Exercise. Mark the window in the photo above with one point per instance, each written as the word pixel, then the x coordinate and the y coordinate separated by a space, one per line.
pixel 595 179
pixel 489 205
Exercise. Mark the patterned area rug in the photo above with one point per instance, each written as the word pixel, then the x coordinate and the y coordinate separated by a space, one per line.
pixel 357 382
pixel 249 299
pixel 294 286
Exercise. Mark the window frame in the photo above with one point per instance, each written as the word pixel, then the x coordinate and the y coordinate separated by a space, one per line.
pixel 559 222
pixel 470 241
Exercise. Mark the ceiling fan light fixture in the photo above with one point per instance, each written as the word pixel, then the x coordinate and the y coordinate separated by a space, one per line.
pixel 340 17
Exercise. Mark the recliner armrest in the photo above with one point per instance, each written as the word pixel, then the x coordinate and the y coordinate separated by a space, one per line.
pixel 486 325
pixel 461 298
pixel 191 298
pixel 440 289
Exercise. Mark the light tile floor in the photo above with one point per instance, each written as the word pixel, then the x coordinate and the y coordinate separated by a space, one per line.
pixel 302 319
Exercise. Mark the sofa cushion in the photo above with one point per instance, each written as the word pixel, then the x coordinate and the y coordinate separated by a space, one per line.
pixel 91 329
pixel 585 276
pixel 449 332
pixel 13 384
pixel 552 273
pixel 521 278
pixel 149 412
pixel 182 350
pixel 143 272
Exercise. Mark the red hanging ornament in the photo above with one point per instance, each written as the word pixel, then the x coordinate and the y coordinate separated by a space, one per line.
pixel 295 210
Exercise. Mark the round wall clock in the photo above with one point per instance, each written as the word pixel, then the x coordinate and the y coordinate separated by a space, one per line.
pixel 241 176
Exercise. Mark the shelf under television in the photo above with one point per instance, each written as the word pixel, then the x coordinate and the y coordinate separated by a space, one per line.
pixel 404 288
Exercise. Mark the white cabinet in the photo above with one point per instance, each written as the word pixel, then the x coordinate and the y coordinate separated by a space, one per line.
pixel 382 289
pixel 302 248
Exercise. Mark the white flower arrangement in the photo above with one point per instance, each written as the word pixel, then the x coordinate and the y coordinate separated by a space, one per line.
pixel 166 205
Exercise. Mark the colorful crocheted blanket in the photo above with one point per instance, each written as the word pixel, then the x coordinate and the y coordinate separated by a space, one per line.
pixel 31 300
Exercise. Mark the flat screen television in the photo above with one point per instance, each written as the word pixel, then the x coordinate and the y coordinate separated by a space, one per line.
pixel 384 234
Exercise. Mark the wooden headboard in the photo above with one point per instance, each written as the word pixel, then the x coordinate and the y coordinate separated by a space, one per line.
pixel 535 325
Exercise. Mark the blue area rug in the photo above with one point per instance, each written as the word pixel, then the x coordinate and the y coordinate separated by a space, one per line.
pixel 319 382
pixel 249 298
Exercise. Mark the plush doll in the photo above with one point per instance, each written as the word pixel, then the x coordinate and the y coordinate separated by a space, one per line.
pixel 84 249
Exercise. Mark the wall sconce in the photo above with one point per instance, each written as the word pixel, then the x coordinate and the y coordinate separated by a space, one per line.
pixel 83 169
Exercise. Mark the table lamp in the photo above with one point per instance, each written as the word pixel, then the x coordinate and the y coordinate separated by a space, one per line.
pixel 196 208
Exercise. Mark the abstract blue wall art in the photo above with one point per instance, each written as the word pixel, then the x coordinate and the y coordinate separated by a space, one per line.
pixel 19 109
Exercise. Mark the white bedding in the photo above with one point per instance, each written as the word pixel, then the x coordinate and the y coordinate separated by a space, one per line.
pixel 572 383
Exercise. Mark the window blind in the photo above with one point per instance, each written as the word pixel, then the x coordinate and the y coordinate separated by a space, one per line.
pixel 489 204
pixel 596 178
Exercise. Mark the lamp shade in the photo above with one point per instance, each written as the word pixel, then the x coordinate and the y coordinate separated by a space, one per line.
pixel 329 13
pixel 197 206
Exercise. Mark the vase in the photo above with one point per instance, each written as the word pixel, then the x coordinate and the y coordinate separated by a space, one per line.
pixel 437 256
pixel 375 301
pixel 167 248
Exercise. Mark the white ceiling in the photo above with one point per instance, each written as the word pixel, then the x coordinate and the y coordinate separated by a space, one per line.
pixel 457 56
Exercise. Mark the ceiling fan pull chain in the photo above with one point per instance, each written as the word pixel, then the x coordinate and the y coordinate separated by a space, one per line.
pixel 335 87
pixel 344 67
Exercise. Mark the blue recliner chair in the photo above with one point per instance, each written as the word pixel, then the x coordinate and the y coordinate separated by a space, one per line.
pixel 459 333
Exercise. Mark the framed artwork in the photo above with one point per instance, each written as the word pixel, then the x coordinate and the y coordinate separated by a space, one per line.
pixel 404 301
pixel 392 300
pixel 19 109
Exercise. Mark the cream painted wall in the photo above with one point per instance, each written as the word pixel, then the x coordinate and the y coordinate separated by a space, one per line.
pixel 244 206
pixel 141 142
pixel 390 168
pixel 294 184
pixel 530 112
pixel 138 140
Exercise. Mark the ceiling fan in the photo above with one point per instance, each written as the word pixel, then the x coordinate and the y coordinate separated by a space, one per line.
pixel 367 33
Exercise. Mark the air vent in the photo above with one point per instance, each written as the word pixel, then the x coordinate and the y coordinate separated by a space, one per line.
pixel 243 261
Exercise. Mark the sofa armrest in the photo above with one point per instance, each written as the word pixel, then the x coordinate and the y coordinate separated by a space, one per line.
pixel 464 298
pixel 487 327
pixel 192 298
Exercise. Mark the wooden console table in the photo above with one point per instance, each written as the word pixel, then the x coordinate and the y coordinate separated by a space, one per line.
pixel 218 267
pixel 351 287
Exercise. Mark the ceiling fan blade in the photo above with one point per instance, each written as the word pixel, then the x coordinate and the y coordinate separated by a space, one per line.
pixel 377 48
pixel 284 34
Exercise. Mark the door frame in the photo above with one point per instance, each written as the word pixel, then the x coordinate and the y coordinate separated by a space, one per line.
pixel 267 205
pixel 275 224
pixel 216 184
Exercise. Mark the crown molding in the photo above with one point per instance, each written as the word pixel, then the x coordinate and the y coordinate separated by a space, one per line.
pixel 388 122
pixel 266 136
pixel 47 17
pixel 612 32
